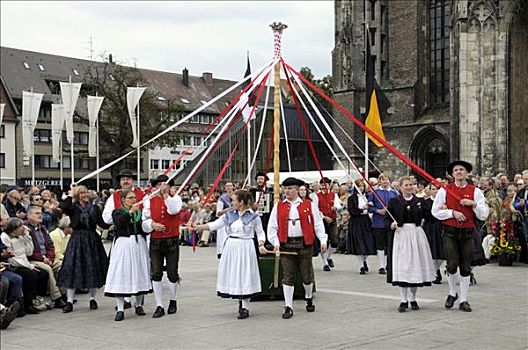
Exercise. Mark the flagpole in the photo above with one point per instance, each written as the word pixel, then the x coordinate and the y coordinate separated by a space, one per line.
pixel 32 142
pixel 97 148
pixel 72 162
pixel 366 99
pixel 60 161
pixel 138 150
pixel 249 151
pixel 277 32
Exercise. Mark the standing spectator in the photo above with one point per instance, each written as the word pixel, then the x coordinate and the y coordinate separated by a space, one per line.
pixel 85 261
pixel 43 255
pixel 504 182
pixel 521 204
pixel 328 204
pixel 204 216
pixel 433 230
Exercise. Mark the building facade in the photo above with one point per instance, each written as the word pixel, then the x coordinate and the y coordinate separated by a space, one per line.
pixel 453 71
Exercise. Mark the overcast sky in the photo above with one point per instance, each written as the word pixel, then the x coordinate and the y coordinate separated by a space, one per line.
pixel 200 35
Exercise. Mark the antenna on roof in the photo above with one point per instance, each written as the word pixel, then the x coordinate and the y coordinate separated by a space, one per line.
pixel 91 49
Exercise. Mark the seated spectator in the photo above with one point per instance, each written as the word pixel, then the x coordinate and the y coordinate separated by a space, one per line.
pixel 343 231
pixel 17 239
pixel 185 216
pixel 60 237
pixel 43 255
pixel 13 282
pixel 204 216
pixel 13 202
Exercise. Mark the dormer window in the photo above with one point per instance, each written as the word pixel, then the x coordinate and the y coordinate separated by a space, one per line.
pixel 75 71
pixel 184 100
pixel 40 67
pixel 26 65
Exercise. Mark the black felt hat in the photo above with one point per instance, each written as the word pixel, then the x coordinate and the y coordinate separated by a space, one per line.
pixel 162 178
pixel 125 173
pixel 261 173
pixel 325 179
pixel 291 181
pixel 466 165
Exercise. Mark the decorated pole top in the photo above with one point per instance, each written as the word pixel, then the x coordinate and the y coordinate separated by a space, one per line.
pixel 277 28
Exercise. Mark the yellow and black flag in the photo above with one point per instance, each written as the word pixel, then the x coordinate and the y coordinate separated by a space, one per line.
pixel 377 103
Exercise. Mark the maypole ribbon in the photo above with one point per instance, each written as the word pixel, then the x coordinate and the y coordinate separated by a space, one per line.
pixel 393 150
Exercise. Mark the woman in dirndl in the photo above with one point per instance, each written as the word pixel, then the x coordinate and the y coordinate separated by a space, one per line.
pixel 238 271
pixel 410 264
pixel 433 230
pixel 85 261
pixel 129 270
pixel 360 240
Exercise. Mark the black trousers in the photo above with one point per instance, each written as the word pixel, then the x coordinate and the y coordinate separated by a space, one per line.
pixel 34 282
pixel 458 244
pixel 165 250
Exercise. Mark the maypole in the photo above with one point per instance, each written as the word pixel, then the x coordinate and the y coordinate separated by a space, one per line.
pixel 277 33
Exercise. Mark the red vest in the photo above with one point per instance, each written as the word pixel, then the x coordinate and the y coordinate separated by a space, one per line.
pixel 159 214
pixel 305 217
pixel 117 197
pixel 326 204
pixel 467 192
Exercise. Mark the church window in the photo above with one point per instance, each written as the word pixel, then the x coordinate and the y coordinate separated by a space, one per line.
pixel 439 21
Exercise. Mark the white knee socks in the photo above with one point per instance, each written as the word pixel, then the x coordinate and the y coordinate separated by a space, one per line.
pixel 438 263
pixel 158 292
pixel 93 293
pixel 70 294
pixel 464 288
pixel 139 300
pixel 120 302
pixel 330 252
pixel 245 303
pixel 452 280
pixel 173 288
pixel 324 257
pixel 381 259
pixel 308 290
pixel 413 293
pixel 288 295
pixel 403 294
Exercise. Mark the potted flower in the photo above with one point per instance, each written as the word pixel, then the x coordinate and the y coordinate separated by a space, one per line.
pixel 507 246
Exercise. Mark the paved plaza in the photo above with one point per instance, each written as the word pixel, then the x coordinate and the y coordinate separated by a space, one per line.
pixel 353 312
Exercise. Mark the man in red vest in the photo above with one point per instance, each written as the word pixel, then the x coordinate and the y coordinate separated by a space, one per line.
pixel 161 220
pixel 126 181
pixel 328 203
pixel 458 219
pixel 292 227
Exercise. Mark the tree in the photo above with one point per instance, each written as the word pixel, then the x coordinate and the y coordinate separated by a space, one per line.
pixel 325 84
pixel 115 132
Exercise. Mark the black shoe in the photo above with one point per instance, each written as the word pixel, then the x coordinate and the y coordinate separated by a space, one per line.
pixel 382 271
pixel 140 311
pixel 403 306
pixel 21 312
pixel 365 267
pixel 362 271
pixel 310 307
pixel 172 307
pixel 59 303
pixel 67 308
pixel 120 316
pixel 159 312
pixel 414 305
pixel 330 263
pixel 288 313
pixel 326 268
pixel 472 279
pixel 464 306
pixel 93 304
pixel 450 301
pixel 243 313
pixel 10 315
pixel 128 305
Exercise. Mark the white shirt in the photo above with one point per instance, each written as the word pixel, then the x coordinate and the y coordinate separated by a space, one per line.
pixel 238 229
pixel 295 230
pixel 173 204
pixel 481 210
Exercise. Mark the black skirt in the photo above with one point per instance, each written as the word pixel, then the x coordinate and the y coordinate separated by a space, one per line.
pixel 479 258
pixel 360 239
pixel 85 261
pixel 433 232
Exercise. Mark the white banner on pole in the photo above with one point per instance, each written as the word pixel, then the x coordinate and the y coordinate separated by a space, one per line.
pixel 30 110
pixel 133 96
pixel 2 106
pixel 94 105
pixel 70 94
pixel 57 125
